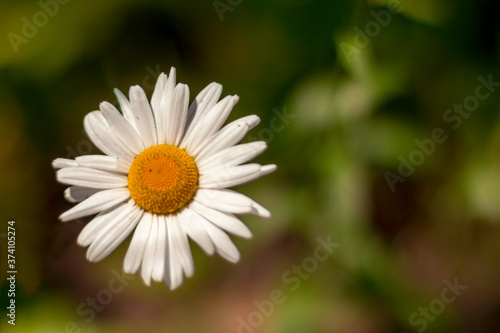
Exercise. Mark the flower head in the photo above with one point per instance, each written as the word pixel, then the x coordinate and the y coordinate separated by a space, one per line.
pixel 165 177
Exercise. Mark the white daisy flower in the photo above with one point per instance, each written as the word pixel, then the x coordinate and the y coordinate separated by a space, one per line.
pixel 165 177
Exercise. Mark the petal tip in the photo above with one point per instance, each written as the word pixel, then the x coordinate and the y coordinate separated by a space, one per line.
pixel 67 195
pixel 262 212
pixel 253 121
pixel 267 169
pixel 65 217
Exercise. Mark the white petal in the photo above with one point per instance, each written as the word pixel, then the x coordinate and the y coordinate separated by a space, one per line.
pixel 60 163
pixel 158 95
pixel 230 201
pixel 103 162
pixel 138 245
pixel 159 107
pixel 252 120
pixel 92 229
pixel 165 104
pixel 235 175
pixel 88 177
pixel 228 136
pixel 161 248
pixel 122 128
pixel 223 244
pixel 180 258
pixel 126 107
pixel 175 275
pixel 184 249
pixel 115 232
pixel 192 224
pixel 149 253
pixel 205 100
pixel 259 210
pixel 172 78
pixel 227 177
pixel 96 203
pixel 167 275
pixel 224 200
pixel 143 116
pixel 208 125
pixel 225 221
pixel 78 194
pixel 176 114
pixel 232 156
pixel 103 137
pixel 267 169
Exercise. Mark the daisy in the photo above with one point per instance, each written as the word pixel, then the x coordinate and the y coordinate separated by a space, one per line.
pixel 165 177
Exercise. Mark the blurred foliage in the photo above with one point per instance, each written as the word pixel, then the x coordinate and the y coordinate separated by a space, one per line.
pixel 360 83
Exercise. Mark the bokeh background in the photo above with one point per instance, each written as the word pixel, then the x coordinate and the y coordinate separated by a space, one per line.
pixel 344 88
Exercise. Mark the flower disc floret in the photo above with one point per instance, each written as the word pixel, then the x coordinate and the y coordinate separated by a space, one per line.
pixel 163 179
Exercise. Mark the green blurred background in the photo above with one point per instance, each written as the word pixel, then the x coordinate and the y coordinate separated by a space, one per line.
pixel 359 83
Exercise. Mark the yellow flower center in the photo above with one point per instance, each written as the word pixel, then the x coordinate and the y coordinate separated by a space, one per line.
pixel 163 179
